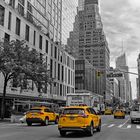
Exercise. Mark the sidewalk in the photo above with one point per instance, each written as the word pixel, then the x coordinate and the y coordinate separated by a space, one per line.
pixel 7 120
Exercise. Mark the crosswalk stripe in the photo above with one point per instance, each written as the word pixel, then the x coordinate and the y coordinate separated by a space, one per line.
pixel 121 125
pixel 138 126
pixel 111 125
pixel 129 126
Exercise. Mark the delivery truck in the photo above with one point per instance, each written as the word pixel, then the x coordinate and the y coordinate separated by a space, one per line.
pixel 89 99
pixel 79 99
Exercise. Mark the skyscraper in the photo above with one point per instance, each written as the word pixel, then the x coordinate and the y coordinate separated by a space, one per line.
pixel 69 8
pixel 121 64
pixel 38 22
pixel 138 79
pixel 73 40
pixel 92 44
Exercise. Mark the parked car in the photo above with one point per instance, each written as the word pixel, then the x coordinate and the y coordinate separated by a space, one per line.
pixel 79 118
pixel 42 115
pixel 119 113
pixel 135 113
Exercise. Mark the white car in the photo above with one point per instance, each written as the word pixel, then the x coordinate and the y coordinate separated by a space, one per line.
pixel 23 119
pixel 135 113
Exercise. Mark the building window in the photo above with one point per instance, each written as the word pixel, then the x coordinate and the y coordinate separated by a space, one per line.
pixel 21 9
pixel 55 70
pixel 40 42
pixel 46 60
pixel 27 32
pixel 65 75
pixel 62 74
pixel 29 7
pixel 51 67
pixel 55 52
pixel 68 76
pixel 2 12
pixel 17 26
pixel 41 56
pixel 7 37
pixel 34 38
pixel 12 3
pixel 60 89
pixel 46 46
pixel 21 2
pixel 52 50
pixel 9 20
pixel 58 71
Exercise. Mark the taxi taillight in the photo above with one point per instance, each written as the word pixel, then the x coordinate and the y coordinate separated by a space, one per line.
pixel 41 113
pixel 62 115
pixel 83 115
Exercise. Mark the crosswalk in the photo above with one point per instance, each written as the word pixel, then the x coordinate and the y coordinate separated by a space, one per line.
pixel 104 125
pixel 121 126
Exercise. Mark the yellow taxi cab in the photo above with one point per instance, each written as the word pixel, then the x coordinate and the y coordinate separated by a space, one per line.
pixel 79 118
pixel 119 113
pixel 108 111
pixel 42 115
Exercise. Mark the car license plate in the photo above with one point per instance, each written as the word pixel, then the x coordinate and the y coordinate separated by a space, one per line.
pixel 71 118
pixel 33 114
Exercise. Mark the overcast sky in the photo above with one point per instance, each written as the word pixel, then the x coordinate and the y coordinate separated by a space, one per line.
pixel 122 28
pixel 121 23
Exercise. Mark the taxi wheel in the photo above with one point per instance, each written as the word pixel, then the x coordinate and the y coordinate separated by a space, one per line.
pixel 91 130
pixel 29 123
pixel 46 122
pixel 99 127
pixel 115 117
pixel 62 133
pixel 132 121
pixel 56 120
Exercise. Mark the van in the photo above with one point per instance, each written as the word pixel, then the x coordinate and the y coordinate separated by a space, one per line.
pixel 135 113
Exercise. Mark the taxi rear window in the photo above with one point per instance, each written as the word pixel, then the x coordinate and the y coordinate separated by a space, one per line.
pixel 73 111
pixel 35 110
pixel 119 111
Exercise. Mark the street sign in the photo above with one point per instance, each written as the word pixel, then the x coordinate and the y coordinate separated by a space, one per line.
pixel 114 75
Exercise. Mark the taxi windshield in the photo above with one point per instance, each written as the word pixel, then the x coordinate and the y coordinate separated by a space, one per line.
pixel 136 108
pixel 73 111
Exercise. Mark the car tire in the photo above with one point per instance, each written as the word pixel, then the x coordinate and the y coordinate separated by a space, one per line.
pixel 114 117
pixel 132 121
pixel 62 133
pixel 91 130
pixel 29 123
pixel 99 127
pixel 56 120
pixel 46 122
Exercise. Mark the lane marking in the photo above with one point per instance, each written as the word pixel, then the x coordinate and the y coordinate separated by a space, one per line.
pixel 138 126
pixel 111 125
pixel 129 126
pixel 103 125
pixel 121 125
pixel 12 125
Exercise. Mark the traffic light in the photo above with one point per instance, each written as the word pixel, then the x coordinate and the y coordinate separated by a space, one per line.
pixel 98 73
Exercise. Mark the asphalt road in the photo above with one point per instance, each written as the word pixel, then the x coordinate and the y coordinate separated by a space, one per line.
pixel 112 129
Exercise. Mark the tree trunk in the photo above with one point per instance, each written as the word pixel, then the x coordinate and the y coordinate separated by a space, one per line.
pixel 3 100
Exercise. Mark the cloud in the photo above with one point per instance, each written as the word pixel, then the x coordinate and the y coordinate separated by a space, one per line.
pixel 122 27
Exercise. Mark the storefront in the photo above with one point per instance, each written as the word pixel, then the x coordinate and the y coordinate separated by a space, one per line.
pixel 20 104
